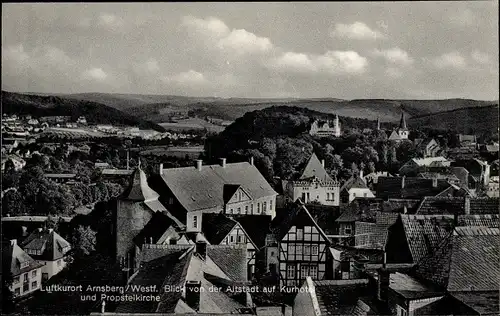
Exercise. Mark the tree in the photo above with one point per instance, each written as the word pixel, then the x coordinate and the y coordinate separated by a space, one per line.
pixel 83 241
pixel 371 167
pixel 7 305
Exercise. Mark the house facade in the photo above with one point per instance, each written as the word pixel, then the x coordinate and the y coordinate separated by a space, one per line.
pixel 314 185
pixel 49 249
pixel 355 187
pixel 325 129
pixel 302 248
pixel 26 272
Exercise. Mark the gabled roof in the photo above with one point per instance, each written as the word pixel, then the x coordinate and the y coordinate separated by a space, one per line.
pixel 314 168
pixel 424 233
pixel 456 205
pixel 297 212
pixel 465 261
pixel 339 297
pixel 203 189
pixel 414 187
pixel 232 259
pixel 14 256
pixel 394 136
pixel 52 245
pixel 138 189
pixel 228 191
pixel 216 226
pixel 354 182
pixel 256 226
pixel 157 226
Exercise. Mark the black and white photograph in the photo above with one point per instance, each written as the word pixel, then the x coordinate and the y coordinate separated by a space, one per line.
pixel 250 158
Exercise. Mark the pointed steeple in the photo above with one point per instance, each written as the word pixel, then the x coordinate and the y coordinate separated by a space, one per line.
pixel 139 189
pixel 402 122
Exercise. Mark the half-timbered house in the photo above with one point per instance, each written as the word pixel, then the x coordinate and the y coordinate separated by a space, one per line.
pixel 302 246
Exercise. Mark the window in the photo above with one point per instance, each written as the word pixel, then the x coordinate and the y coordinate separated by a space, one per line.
pixel 401 311
pixel 313 272
pixel 195 221
pixel 354 194
pixel 299 249
pixel 246 209
pixel 300 233
pixel 25 277
pixel 24 264
pixel 17 291
pixel 328 196
pixel 314 250
pixel 33 274
pixel 264 207
pixel 304 197
pixel 34 285
pixel 271 205
pixel 240 239
pixel 231 211
pixel 232 239
pixel 365 194
pixel 170 201
pixel 258 208
pixel 307 250
pixel 251 209
pixel 16 280
pixel 303 271
pixel 347 231
pixel 290 272
pixel 26 287
pixel 239 210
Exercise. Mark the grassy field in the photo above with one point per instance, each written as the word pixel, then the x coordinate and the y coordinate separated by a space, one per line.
pixel 191 124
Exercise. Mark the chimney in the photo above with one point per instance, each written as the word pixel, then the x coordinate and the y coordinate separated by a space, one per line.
pixel 193 289
pixel 199 163
pixel 467 205
pixel 50 230
pixel 402 182
pixel 161 169
pixel 434 183
pixel 323 162
pixel 201 249
pixel 40 229
pixel 361 174
pixel 251 160
pixel 405 211
pixel 383 283
pixel 24 231
pixel 13 242
pixel 223 162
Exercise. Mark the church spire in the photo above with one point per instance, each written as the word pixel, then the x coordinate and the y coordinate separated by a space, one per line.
pixel 402 122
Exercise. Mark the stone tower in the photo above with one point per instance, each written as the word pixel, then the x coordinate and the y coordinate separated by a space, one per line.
pixel 402 129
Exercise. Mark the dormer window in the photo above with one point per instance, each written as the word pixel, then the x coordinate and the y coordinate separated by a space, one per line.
pixel 24 264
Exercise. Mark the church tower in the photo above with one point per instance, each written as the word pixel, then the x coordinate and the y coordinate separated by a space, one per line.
pixel 402 129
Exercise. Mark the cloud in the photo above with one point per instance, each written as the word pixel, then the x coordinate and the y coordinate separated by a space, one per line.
pixel 186 78
pixel 332 62
pixel 450 60
pixel 463 17
pixel 395 56
pixel 356 30
pixel 394 72
pixel 14 53
pixel 480 57
pixel 236 40
pixel 95 74
pixel 111 22
pixel 152 66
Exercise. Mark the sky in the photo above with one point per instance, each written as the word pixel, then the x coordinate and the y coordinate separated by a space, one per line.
pixel 398 50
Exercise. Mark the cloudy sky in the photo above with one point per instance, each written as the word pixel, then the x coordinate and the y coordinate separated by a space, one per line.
pixel 344 50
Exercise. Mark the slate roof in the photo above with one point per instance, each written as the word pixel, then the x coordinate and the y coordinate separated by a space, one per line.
pixel 339 297
pixel 13 256
pixel 485 205
pixel 314 168
pixel 232 259
pixel 52 245
pixel 485 303
pixel 383 221
pixel 138 189
pixel 424 233
pixel 216 226
pixel 465 261
pixel 487 220
pixel 157 227
pixel 441 205
pixel 203 189
pixel 411 288
pixel 414 187
pixel 256 226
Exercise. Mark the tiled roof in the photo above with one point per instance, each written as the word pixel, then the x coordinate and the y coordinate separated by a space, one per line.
pixel 487 220
pixel 466 261
pixel 484 205
pixel 14 256
pixel 378 238
pixel 256 226
pixel 232 259
pixel 216 226
pixel 138 189
pixel 424 233
pixel 441 205
pixel 414 187
pixel 314 168
pixel 339 297
pixel 203 189
pixel 485 303
pixel 52 245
